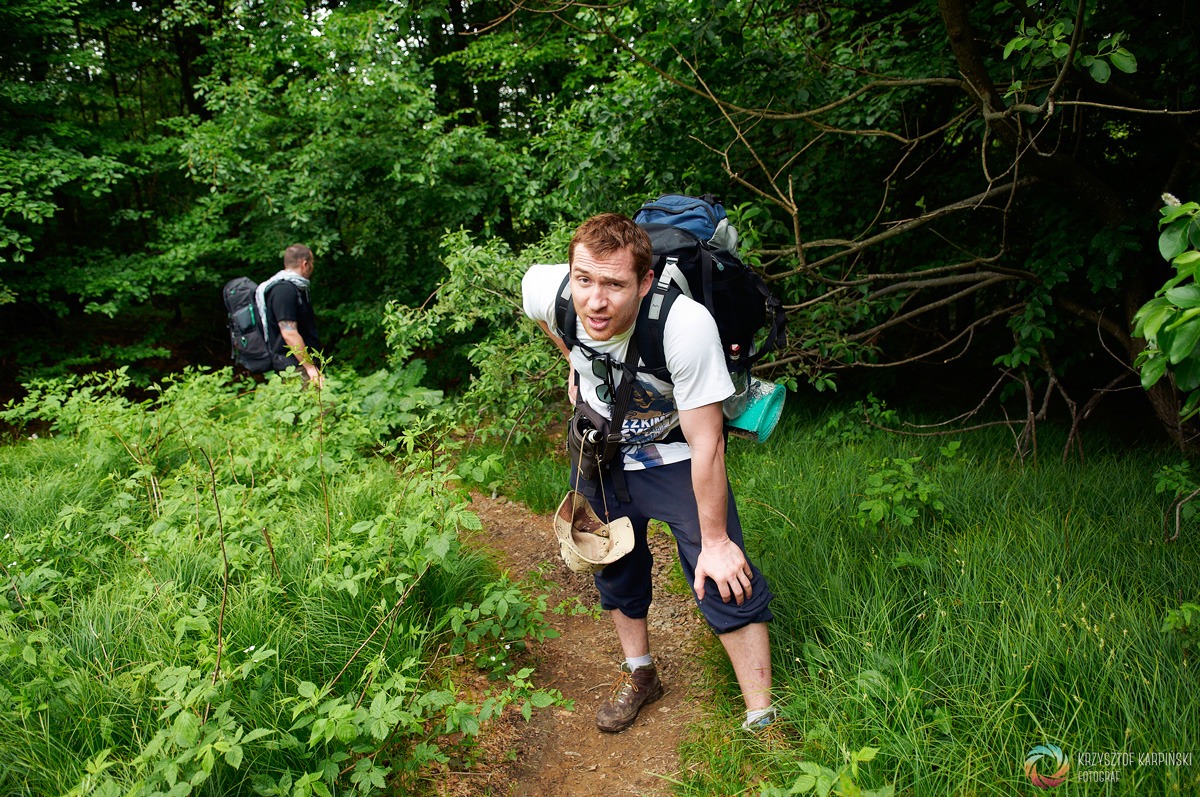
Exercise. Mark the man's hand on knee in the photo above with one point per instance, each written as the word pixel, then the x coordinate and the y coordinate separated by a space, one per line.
pixel 725 564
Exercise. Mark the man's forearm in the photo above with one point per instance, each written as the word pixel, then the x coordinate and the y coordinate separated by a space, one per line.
pixel 295 343
pixel 710 486
pixel 702 429
pixel 720 558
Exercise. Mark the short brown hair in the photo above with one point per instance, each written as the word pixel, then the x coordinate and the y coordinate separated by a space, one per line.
pixel 296 255
pixel 611 232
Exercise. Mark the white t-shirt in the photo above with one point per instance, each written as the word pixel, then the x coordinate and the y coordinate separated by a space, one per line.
pixel 694 357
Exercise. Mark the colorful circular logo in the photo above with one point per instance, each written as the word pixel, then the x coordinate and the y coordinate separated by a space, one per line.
pixel 1046 756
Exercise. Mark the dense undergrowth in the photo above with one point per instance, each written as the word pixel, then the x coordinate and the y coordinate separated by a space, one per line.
pixel 233 588
pixel 942 609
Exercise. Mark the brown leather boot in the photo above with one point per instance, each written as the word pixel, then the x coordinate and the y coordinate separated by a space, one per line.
pixel 631 691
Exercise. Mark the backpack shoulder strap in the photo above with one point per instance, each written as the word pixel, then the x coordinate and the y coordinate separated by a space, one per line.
pixel 564 314
pixel 652 322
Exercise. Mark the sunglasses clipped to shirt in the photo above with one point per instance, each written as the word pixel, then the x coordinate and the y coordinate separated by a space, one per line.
pixel 605 365
pixel 602 370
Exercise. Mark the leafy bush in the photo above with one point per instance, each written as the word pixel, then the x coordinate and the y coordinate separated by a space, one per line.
pixel 863 420
pixel 900 489
pixel 1170 322
pixel 519 374
pixel 1184 623
pixel 222 590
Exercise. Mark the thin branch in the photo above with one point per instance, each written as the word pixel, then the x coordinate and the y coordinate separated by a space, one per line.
pixel 968 331
pixel 969 203
pixel 1176 508
pixel 16 590
pixel 393 611
pixel 891 322
pixel 212 472
pixel 271 550
pixel 1076 34
pixel 939 282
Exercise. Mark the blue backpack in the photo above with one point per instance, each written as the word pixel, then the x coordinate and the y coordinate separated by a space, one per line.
pixel 704 217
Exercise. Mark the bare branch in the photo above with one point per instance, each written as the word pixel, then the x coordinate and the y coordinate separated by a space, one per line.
pixel 900 319
pixel 970 203
pixel 968 332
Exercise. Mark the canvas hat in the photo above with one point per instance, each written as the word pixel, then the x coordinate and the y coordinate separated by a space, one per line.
pixel 587 543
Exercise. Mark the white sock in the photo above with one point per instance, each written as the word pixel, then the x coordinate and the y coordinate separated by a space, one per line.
pixel 755 715
pixel 639 661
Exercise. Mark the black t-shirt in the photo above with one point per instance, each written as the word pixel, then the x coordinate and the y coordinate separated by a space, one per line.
pixel 286 302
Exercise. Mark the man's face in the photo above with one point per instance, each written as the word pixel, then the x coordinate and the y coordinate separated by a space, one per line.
pixel 306 269
pixel 606 292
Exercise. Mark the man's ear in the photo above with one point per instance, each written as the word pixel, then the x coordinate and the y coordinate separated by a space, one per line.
pixel 647 284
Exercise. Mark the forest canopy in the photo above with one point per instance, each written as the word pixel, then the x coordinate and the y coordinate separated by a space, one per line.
pixel 964 194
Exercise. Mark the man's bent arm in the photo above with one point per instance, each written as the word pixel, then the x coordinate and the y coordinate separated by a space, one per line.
pixel 295 343
pixel 720 558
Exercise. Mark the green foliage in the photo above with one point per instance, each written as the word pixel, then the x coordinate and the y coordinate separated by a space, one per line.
pixel 900 490
pixel 486 472
pixel 1170 322
pixel 512 386
pixel 1031 330
pixel 1184 623
pixel 1048 41
pixel 823 781
pixel 1177 480
pixel 867 418
pixel 221 590
pixel 496 629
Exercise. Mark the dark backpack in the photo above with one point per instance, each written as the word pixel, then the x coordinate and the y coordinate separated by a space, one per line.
pixel 684 262
pixel 248 345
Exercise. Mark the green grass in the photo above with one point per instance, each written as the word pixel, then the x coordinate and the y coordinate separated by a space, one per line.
pixel 1027 611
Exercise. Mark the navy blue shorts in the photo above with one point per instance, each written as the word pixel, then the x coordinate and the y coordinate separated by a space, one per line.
pixel 665 493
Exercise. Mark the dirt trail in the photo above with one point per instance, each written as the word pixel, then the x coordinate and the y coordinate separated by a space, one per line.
pixel 561 752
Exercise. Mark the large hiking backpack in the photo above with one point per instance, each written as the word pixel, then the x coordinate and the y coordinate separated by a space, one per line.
pixel 693 246
pixel 247 341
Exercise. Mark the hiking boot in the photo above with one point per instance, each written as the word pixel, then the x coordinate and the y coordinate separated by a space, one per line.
pixel 631 691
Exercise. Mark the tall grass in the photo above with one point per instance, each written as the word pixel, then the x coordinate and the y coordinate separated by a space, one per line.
pixel 1027 611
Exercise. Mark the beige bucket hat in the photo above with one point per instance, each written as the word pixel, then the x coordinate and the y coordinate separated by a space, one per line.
pixel 587 543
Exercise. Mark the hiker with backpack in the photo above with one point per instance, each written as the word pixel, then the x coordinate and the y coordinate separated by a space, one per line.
pixel 290 320
pixel 647 441
pixel 272 325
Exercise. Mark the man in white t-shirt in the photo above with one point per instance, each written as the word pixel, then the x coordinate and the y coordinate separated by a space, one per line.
pixel 673 460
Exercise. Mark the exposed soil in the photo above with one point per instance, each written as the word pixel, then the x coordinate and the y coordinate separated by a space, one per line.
pixel 561 752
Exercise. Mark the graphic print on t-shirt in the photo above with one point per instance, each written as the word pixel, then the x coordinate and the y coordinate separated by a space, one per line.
pixel 649 415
